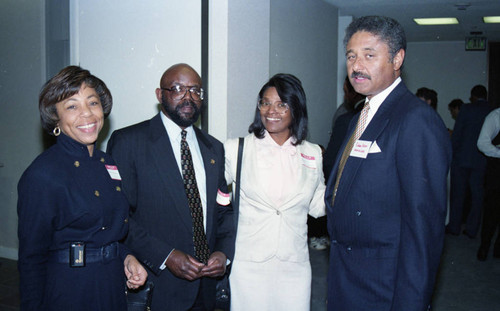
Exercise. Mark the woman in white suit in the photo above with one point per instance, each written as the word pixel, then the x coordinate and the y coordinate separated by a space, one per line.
pixel 281 182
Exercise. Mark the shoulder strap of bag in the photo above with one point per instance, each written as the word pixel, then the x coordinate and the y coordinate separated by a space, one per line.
pixel 236 202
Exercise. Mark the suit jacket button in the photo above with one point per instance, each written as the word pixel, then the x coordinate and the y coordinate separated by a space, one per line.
pixel 358 213
pixel 349 248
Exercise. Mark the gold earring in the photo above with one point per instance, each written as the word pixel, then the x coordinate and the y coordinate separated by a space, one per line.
pixel 56 131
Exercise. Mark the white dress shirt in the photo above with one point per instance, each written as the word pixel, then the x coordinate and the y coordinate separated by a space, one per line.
pixel 174 134
pixel 377 100
pixel 490 129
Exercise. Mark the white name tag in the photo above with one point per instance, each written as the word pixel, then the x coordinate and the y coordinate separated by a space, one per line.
pixel 360 149
pixel 308 161
pixel 113 172
pixel 222 198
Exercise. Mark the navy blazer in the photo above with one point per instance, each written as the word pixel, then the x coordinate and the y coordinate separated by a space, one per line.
pixel 67 196
pixel 160 218
pixel 387 223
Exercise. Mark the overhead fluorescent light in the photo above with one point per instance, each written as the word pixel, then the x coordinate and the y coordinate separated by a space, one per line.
pixel 436 21
pixel 491 19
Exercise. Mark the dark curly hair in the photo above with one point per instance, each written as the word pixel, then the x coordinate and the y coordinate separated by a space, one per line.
pixel 65 84
pixel 290 91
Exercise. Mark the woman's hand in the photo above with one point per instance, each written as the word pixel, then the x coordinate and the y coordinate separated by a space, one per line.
pixel 135 272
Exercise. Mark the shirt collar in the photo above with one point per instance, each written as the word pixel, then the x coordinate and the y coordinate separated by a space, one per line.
pixel 378 99
pixel 174 131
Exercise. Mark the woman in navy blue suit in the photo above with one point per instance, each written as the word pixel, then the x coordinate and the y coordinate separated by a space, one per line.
pixel 72 213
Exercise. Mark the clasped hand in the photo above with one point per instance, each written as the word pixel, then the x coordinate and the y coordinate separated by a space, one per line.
pixel 135 272
pixel 187 267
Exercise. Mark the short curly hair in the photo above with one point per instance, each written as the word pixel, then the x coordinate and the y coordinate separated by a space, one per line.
pixel 65 84
pixel 386 28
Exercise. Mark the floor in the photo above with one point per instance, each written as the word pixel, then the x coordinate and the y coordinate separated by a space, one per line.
pixel 464 283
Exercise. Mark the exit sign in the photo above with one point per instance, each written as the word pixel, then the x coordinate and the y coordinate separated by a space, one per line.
pixel 475 43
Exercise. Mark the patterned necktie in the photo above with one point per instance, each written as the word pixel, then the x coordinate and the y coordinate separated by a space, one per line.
pixel 360 127
pixel 199 238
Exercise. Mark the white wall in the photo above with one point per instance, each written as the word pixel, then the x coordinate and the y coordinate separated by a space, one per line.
pixel 22 61
pixel 446 68
pixel 304 43
pixel 129 46
pixel 344 21
pixel 217 102
pixel 248 61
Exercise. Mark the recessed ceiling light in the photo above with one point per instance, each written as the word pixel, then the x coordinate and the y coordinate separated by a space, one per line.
pixel 491 19
pixel 436 21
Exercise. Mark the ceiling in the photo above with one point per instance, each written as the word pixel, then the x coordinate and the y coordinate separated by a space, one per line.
pixel 470 19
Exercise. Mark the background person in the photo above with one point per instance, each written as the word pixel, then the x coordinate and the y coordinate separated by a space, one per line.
pixel 468 165
pixel 430 97
pixel 454 107
pixel 281 183
pixel 489 144
pixel 71 194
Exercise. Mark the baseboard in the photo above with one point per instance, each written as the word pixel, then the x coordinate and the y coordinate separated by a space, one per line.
pixel 9 253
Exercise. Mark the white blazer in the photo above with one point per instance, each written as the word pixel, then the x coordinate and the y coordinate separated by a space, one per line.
pixel 266 228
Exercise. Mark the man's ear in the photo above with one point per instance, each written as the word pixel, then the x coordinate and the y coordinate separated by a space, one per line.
pixel 158 94
pixel 398 59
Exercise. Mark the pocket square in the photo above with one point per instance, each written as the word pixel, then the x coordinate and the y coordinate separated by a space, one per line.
pixel 374 148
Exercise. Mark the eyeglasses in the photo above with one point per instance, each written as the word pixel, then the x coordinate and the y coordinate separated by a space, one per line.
pixel 279 106
pixel 178 92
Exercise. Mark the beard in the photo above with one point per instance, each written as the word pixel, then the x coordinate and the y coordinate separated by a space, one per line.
pixel 176 115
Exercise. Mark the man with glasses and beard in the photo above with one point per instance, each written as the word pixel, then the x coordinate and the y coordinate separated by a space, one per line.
pixel 173 177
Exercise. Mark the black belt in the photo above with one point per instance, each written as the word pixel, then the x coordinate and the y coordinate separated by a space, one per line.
pixel 92 255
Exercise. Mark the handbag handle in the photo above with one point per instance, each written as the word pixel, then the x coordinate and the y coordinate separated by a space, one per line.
pixel 236 201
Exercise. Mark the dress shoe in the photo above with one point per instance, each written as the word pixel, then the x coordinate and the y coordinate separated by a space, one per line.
pixel 448 231
pixel 496 252
pixel 482 253
pixel 468 235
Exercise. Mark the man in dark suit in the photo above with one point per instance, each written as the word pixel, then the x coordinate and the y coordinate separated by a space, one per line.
pixel 468 165
pixel 169 232
pixel 386 196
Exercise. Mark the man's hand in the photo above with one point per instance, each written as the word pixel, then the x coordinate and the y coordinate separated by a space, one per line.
pixel 216 265
pixel 134 271
pixel 184 266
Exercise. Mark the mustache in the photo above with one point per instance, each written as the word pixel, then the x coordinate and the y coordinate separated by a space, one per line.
pixel 357 74
pixel 187 103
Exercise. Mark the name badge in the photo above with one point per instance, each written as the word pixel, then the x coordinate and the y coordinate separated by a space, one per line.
pixel 308 161
pixel 113 172
pixel 222 198
pixel 360 149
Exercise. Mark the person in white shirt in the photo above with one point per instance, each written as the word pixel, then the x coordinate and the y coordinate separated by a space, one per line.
pixel 489 144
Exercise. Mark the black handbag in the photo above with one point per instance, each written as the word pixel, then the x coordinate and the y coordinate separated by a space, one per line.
pixel 223 288
pixel 140 299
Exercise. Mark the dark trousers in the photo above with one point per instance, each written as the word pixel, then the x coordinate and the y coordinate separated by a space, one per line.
pixel 491 217
pixel 316 227
pixel 462 179
pixel 199 303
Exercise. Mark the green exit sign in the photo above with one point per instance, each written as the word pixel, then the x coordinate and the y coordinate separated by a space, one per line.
pixel 475 44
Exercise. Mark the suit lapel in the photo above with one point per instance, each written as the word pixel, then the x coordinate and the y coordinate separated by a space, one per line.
pixel 372 132
pixel 209 162
pixel 168 169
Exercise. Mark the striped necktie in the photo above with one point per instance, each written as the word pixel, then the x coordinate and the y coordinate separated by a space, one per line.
pixel 360 127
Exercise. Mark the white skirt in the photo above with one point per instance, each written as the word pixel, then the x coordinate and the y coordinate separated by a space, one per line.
pixel 271 285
